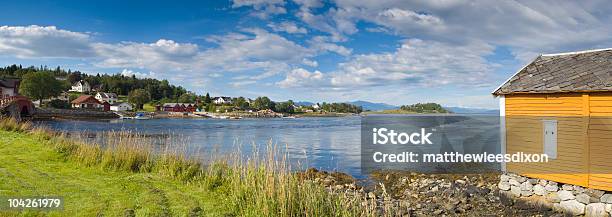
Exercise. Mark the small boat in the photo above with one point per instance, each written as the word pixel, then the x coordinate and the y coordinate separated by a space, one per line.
pixel 141 116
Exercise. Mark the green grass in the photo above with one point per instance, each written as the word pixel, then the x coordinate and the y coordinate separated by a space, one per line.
pixel 30 167
pixel 127 176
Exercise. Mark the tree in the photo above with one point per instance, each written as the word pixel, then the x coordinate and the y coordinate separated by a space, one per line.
pixel 262 103
pixel 285 107
pixel 139 97
pixel 207 99
pixel 187 98
pixel 240 102
pixel 40 85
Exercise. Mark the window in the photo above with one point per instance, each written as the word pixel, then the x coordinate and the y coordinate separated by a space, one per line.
pixel 550 138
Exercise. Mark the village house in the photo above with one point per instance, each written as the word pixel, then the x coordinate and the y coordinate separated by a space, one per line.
pixel 121 107
pixel 107 97
pixel 222 100
pixel 89 102
pixel 179 107
pixel 561 105
pixel 81 87
pixel 9 87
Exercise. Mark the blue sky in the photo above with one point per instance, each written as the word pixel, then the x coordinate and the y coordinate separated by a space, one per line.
pixel 396 52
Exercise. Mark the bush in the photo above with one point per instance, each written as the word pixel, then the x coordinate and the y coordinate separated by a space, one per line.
pixel 59 104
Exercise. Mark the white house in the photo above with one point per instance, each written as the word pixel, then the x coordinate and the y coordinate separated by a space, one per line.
pixel 121 106
pixel 107 97
pixel 222 100
pixel 8 87
pixel 316 106
pixel 81 87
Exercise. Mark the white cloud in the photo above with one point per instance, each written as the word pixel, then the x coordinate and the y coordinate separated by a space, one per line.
pixel 420 63
pixel 130 73
pixel 302 78
pixel 321 43
pixel 46 42
pixel 263 8
pixel 159 56
pixel 288 27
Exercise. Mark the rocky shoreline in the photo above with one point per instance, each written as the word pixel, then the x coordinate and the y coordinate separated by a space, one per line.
pixel 412 194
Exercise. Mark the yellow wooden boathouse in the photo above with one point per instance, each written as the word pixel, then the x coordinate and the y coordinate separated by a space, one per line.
pixel 561 105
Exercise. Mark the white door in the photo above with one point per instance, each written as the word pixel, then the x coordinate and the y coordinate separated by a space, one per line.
pixel 550 138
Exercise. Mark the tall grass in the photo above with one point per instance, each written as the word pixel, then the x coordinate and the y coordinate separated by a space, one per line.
pixel 262 185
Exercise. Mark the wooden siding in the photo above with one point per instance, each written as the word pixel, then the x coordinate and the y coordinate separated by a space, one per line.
pixel 524 125
pixel 600 141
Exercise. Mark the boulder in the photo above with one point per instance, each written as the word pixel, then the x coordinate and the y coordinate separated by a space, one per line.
pixel 573 207
pixel 552 188
pixel 539 190
pixel 606 198
pixel 515 190
pixel 596 210
pixel 521 179
pixel 594 193
pixel 542 182
pixel 532 181
pixel 504 186
pixel 609 208
pixel 567 187
pixel 504 178
pixel 513 182
pixel 526 186
pixel 565 195
pixel 583 198
pixel 553 197
pixel 578 190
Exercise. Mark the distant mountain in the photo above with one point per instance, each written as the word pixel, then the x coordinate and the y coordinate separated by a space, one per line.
pixel 372 106
pixel 464 110
pixel 303 103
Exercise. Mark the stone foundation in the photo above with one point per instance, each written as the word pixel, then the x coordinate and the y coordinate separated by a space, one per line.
pixel 571 199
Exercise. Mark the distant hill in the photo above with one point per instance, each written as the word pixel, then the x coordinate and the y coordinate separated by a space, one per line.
pixel 464 110
pixel 372 106
pixel 303 103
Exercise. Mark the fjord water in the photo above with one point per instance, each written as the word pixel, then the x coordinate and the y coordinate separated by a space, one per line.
pixel 328 143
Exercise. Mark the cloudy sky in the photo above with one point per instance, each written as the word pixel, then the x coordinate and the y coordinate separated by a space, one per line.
pixel 398 52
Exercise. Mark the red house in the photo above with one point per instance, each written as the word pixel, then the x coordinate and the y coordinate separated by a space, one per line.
pixel 89 102
pixel 179 107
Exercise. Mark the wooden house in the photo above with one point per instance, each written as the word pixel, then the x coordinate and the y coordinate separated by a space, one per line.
pixel 179 107
pixel 88 102
pixel 561 105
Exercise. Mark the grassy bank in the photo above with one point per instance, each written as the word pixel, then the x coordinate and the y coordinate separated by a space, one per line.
pixel 126 177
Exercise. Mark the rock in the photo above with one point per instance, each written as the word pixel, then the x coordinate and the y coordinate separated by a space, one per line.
pixel 609 208
pixel 606 198
pixel 565 195
pixel 460 181
pixel 516 191
pixel 578 190
pixel 513 182
pixel 438 212
pixel 526 193
pixel 594 193
pixel 583 198
pixel 539 190
pixel 504 186
pixel 526 186
pixel 532 181
pixel 596 210
pixel 572 206
pixel 542 182
pixel 504 178
pixel 434 189
pixel 567 187
pixel 521 179
pixel 552 188
pixel 553 197
pixel 129 213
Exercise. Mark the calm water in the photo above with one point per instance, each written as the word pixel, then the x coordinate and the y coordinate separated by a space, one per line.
pixel 325 143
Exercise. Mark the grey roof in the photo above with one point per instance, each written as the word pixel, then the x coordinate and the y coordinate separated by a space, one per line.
pixel 108 95
pixel 9 83
pixel 584 71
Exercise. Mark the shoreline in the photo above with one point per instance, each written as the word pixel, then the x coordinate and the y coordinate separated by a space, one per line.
pixel 395 192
